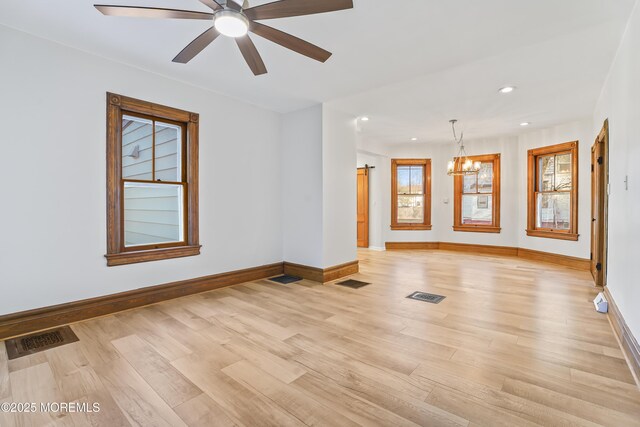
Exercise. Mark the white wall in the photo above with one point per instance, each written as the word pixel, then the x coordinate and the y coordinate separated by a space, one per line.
pixel 407 151
pixel 507 148
pixel 513 195
pixel 575 131
pixel 339 187
pixel 302 187
pixel 620 103
pixel 53 210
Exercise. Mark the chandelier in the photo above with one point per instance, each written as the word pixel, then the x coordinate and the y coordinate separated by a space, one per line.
pixel 462 164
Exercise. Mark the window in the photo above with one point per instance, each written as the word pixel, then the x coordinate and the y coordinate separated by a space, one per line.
pixel 477 197
pixel 152 182
pixel 411 194
pixel 553 192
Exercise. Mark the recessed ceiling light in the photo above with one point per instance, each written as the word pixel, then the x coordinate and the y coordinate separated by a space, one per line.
pixel 364 118
pixel 525 124
pixel 414 139
pixel 507 89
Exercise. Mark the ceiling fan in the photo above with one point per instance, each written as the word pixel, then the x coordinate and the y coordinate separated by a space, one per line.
pixel 232 20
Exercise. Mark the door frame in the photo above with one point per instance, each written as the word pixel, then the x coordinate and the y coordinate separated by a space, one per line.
pixel 600 205
pixel 365 243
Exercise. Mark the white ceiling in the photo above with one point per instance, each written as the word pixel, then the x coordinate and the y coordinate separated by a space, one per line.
pixel 410 68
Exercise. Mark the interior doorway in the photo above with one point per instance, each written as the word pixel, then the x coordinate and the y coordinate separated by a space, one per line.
pixel 599 204
pixel 363 207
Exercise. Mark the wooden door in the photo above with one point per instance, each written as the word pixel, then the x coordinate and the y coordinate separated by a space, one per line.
pixel 599 182
pixel 363 207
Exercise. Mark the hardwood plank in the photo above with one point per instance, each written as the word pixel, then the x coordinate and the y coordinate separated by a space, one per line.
pixel 304 408
pixel 170 384
pixel 7 419
pixel 110 413
pixel 237 401
pixel 586 410
pixel 377 391
pixel 135 397
pixel 227 327
pixel 610 385
pixel 281 369
pixel 346 402
pixel 95 338
pixel 5 385
pixel 36 384
pixel 26 362
pixel 446 372
pixel 76 379
pixel 599 364
pixel 202 411
pixel 474 411
pixel 181 313
pixel 154 334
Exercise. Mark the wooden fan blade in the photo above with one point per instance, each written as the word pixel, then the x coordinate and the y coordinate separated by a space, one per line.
pixel 213 4
pixel 290 42
pixel 233 5
pixel 287 8
pixel 251 55
pixel 196 46
pixel 151 12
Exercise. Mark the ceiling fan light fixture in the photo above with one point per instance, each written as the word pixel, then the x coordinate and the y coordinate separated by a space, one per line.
pixel 231 23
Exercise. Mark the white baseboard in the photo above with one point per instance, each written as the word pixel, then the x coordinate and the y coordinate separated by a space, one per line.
pixel 377 248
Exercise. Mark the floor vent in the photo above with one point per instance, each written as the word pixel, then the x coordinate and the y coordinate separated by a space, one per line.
pixel 426 297
pixel 40 341
pixel 355 284
pixel 286 279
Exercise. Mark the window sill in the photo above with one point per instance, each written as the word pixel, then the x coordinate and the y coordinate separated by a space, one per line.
pixel 124 258
pixel 477 228
pixel 411 227
pixel 553 234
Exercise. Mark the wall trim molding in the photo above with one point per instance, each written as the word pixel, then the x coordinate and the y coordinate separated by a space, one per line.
pixel 564 260
pixel 322 275
pixel 630 346
pixel 23 322
pixel 485 249
pixel 410 245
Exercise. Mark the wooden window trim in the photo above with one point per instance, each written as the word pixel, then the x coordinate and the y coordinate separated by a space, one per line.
pixel 457 198
pixel 426 163
pixel 117 254
pixel 532 155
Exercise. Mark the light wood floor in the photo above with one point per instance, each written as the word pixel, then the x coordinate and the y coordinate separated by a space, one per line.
pixel 514 343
